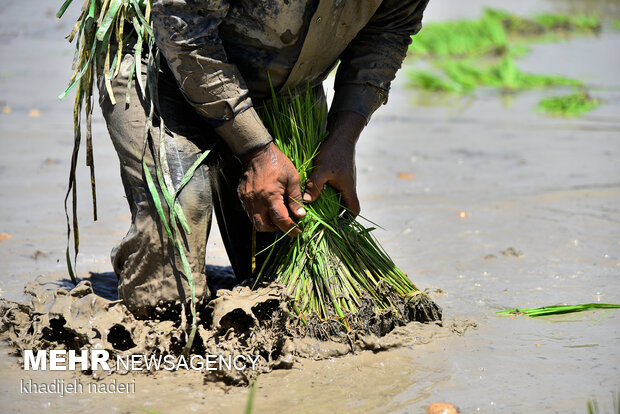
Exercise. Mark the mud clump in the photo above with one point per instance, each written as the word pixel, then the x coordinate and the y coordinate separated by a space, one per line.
pixel 244 322
pixel 239 321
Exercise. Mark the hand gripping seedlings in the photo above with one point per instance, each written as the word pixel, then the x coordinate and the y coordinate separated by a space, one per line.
pixel 335 268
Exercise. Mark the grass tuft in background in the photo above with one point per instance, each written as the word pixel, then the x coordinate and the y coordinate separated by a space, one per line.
pixel 569 105
pixel 495 33
pixel 463 76
pixel 468 54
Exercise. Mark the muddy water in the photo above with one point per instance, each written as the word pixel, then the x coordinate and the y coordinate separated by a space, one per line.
pixel 549 188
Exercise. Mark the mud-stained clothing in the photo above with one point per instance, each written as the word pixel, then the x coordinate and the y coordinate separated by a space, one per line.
pixel 223 52
pixel 219 58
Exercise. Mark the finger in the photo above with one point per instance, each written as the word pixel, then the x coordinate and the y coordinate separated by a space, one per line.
pixel 262 223
pixel 280 218
pixel 351 201
pixel 314 187
pixel 295 204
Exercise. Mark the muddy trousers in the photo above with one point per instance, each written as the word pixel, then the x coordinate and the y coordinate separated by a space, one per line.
pixel 149 271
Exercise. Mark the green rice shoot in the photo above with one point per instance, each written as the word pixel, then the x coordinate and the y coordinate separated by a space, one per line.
pixel 593 406
pixel 249 403
pixel 556 310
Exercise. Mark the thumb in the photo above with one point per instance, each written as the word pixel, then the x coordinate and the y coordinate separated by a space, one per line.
pixel 314 187
pixel 293 189
pixel 350 200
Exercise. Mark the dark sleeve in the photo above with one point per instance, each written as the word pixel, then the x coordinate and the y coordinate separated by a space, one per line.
pixel 370 62
pixel 186 33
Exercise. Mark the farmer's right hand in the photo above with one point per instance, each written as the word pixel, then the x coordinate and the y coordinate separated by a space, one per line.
pixel 270 190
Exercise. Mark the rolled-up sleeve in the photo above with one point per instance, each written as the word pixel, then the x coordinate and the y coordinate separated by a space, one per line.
pixel 186 33
pixel 370 62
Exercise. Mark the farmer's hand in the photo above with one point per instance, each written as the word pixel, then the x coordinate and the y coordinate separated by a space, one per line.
pixel 335 162
pixel 270 184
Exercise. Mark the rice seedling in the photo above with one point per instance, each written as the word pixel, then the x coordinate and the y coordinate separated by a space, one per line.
pixel 249 404
pixel 463 76
pixel 335 266
pixel 569 105
pixel 593 406
pixel 556 310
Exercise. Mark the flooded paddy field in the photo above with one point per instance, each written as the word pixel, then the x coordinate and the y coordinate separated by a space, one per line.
pixel 484 201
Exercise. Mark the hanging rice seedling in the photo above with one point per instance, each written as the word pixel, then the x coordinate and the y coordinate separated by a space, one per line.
pixel 100 25
pixel 556 310
pixel 102 28
pixel 335 266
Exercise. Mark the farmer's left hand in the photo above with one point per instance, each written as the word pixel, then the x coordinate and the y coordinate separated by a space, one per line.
pixel 335 162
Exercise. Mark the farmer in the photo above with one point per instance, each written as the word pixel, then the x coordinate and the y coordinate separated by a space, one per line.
pixel 218 59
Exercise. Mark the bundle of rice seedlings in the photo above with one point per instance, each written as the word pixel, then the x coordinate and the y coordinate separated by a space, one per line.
pixel 335 267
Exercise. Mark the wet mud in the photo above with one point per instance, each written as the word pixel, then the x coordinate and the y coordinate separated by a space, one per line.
pixel 240 321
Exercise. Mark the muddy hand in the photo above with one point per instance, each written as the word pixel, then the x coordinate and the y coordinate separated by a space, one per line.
pixel 335 162
pixel 270 191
